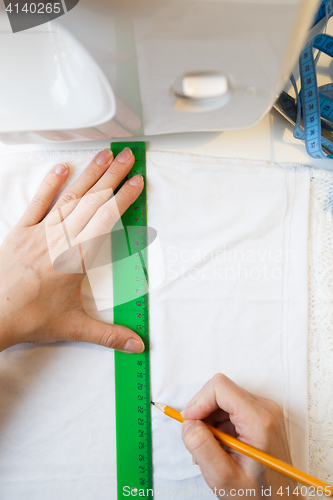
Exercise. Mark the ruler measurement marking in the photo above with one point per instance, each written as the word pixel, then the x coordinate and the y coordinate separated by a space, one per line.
pixel 133 425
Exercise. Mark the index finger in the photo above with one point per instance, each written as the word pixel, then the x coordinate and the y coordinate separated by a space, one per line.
pixel 96 168
pixel 218 393
pixel 42 200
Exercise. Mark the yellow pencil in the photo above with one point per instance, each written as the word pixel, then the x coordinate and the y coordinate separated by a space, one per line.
pixel 260 456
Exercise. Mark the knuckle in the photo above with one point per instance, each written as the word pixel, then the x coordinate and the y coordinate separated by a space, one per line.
pixel 115 169
pixel 38 202
pixel 92 199
pixel 276 410
pixel 104 213
pixel 111 338
pixel 93 171
pixel 218 379
pixel 51 182
pixel 56 240
pixel 268 422
pixel 68 197
pixel 127 189
pixel 108 212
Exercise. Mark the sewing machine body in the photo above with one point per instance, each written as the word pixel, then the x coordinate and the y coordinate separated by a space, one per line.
pixel 124 67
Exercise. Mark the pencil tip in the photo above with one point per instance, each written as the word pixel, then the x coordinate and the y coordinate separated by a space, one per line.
pixel 159 406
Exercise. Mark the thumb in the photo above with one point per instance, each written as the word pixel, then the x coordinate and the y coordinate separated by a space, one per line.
pixel 217 466
pixel 84 328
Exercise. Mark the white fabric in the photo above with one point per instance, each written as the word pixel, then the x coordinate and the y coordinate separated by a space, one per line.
pixel 234 237
pixel 321 325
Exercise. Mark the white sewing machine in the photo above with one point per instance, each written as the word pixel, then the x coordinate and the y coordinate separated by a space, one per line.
pixel 123 67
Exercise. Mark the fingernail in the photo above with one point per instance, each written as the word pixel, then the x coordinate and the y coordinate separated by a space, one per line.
pixel 124 155
pixel 103 157
pixel 60 169
pixel 134 346
pixel 193 461
pixel 136 180
pixel 186 425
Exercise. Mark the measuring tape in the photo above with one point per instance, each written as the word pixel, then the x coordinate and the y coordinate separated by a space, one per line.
pixel 313 103
pixel 132 380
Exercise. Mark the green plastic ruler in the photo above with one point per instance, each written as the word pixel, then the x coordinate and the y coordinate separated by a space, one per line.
pixel 132 380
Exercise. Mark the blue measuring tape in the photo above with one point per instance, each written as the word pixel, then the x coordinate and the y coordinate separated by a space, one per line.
pixel 313 102
pixel 321 13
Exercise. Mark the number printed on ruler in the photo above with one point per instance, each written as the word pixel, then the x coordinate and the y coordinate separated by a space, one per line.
pixel 132 379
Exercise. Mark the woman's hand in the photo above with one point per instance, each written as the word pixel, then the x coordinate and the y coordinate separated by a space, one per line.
pixel 40 304
pixel 257 421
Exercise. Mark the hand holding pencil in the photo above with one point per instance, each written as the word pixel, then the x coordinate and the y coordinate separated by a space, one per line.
pixel 256 421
